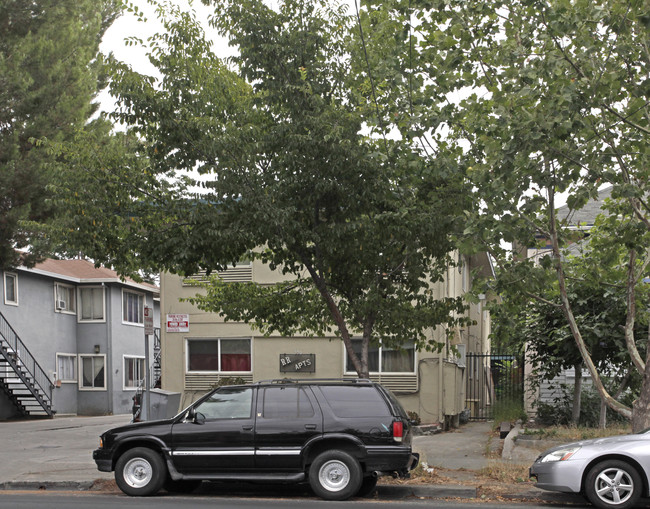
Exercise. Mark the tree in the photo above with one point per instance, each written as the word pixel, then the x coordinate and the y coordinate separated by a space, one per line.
pixel 596 287
pixel 50 71
pixel 289 174
pixel 547 97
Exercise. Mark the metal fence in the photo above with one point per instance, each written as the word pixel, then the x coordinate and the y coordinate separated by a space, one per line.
pixel 493 379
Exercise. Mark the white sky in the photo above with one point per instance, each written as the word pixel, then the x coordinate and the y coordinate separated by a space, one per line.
pixel 128 25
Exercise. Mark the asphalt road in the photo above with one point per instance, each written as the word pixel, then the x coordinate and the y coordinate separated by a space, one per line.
pixel 65 500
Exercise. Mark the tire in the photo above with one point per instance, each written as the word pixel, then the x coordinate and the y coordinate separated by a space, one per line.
pixel 140 472
pixel 368 485
pixel 335 475
pixel 613 484
pixel 181 486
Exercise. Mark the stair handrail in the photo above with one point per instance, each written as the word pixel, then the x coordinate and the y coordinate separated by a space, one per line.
pixel 26 359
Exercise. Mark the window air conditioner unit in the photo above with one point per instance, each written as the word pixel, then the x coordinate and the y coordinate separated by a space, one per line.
pixel 60 304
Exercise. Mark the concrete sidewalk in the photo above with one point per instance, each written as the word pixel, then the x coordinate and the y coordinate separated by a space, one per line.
pixel 53 451
pixel 57 454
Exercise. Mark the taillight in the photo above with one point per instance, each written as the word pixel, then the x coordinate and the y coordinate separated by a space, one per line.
pixel 398 431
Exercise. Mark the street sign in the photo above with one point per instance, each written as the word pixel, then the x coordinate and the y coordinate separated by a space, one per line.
pixel 178 322
pixel 148 321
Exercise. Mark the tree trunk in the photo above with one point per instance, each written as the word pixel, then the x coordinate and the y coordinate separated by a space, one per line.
pixel 641 407
pixel 612 403
pixel 602 420
pixel 577 392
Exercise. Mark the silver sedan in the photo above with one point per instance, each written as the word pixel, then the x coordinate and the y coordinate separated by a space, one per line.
pixel 611 472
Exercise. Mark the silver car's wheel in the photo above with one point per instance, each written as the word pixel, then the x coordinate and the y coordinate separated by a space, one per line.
pixel 612 484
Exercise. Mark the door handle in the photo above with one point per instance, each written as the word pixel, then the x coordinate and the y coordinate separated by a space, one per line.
pixel 310 426
pixel 247 428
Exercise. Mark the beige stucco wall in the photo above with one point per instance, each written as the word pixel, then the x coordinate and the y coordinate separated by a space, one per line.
pixel 432 394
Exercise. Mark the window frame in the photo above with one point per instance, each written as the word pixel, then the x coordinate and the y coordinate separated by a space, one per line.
pixel 218 340
pixel 142 300
pixel 71 292
pixel 80 372
pixel 348 370
pixel 75 367
pixel 80 318
pixel 14 276
pixel 144 371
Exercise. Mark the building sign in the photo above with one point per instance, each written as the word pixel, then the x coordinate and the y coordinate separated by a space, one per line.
pixel 297 363
pixel 178 323
pixel 148 321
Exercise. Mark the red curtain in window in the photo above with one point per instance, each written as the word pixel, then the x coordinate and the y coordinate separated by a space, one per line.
pixel 235 362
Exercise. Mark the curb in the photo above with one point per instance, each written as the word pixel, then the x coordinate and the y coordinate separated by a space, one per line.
pixel 47 485
pixel 425 491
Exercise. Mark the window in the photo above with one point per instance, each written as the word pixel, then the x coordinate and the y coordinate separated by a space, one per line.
pixel 66 367
pixel 286 403
pixel 132 307
pixel 228 403
pixel 91 304
pixel 220 355
pixel 355 401
pixel 134 372
pixel 385 360
pixel 93 374
pixel 65 298
pixel 11 288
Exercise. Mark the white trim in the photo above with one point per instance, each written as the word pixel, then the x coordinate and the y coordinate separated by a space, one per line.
pixel 4 285
pixel 228 373
pixel 140 311
pixel 76 368
pixel 80 373
pixel 144 374
pixel 80 304
pixel 71 279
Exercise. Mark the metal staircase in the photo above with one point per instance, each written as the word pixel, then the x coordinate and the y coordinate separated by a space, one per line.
pixel 21 378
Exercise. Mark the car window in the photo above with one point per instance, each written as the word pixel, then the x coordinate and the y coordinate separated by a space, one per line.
pixel 286 403
pixel 228 403
pixel 356 401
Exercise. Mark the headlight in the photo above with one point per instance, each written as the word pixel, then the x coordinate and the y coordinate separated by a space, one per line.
pixel 560 454
pixel 101 443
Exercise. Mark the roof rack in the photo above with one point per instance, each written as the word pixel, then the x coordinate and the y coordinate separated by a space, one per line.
pixel 313 380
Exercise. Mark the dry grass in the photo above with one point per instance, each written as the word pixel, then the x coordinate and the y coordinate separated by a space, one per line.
pixel 568 434
pixel 505 472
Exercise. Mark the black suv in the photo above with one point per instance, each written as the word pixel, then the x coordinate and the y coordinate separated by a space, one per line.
pixel 339 435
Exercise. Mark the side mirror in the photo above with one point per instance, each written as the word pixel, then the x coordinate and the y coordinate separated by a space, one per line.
pixel 194 416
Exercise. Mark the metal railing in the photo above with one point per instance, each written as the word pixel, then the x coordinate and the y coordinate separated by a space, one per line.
pixel 493 379
pixel 21 359
pixel 155 370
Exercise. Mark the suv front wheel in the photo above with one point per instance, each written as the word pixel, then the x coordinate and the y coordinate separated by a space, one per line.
pixel 140 472
pixel 335 475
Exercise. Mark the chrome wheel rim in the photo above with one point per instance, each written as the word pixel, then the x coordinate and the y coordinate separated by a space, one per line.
pixel 334 475
pixel 138 472
pixel 614 486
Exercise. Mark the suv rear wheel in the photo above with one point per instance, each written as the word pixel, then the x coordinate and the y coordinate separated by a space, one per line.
pixel 140 472
pixel 335 475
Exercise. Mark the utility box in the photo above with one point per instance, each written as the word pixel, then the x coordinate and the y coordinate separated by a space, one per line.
pixel 163 404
